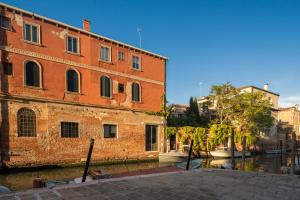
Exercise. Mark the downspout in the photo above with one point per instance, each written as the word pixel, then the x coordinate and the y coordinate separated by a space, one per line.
pixel 165 102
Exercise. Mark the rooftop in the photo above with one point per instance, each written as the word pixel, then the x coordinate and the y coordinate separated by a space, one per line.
pixel 46 19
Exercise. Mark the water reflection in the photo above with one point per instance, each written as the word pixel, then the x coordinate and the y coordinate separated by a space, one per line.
pixel 259 163
pixel 23 180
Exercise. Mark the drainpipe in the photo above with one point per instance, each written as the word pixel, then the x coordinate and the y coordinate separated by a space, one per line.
pixel 165 102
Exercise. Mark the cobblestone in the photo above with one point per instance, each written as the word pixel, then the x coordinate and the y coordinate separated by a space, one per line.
pixel 208 184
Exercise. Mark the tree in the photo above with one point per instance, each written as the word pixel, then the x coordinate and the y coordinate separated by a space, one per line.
pixel 221 99
pixel 250 113
pixel 192 113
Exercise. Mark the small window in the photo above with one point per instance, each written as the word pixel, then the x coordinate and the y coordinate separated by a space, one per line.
pixel 121 56
pixel 32 74
pixel 72 44
pixel 110 131
pixel 136 62
pixel 72 81
pixel 26 123
pixel 135 92
pixel 105 54
pixel 121 88
pixel 7 68
pixel 5 23
pixel 105 87
pixel 69 130
pixel 31 33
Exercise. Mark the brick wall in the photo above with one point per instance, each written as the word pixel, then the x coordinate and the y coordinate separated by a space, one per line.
pixel 48 147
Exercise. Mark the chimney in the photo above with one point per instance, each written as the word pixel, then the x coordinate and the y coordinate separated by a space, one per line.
pixel 266 87
pixel 86 25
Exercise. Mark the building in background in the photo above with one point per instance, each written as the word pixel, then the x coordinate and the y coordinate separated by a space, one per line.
pixel 62 85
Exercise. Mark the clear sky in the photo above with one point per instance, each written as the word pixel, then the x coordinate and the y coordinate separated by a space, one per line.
pixel 246 42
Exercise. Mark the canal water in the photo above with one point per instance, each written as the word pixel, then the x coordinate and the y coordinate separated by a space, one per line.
pixel 23 180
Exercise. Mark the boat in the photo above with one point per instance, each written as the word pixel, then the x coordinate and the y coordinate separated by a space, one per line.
pixel 194 164
pixel 173 156
pixel 4 189
pixel 225 152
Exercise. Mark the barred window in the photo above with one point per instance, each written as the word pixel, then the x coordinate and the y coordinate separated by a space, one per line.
pixel 5 22
pixel 110 130
pixel 105 87
pixel 69 129
pixel 26 123
pixel 135 92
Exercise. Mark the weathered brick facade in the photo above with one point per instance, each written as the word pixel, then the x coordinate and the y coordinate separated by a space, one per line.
pixel 52 103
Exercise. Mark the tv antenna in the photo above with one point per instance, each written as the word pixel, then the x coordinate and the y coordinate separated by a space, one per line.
pixel 139 30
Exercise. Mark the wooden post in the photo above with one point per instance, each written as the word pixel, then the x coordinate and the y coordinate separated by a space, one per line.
pixel 190 154
pixel 293 152
pixel 243 151
pixel 232 150
pixel 88 160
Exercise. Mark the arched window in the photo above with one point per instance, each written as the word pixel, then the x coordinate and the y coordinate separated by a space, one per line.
pixel 135 88
pixel 32 74
pixel 72 81
pixel 26 123
pixel 105 87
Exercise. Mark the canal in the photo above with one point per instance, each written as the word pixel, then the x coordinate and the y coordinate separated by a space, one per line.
pixel 23 180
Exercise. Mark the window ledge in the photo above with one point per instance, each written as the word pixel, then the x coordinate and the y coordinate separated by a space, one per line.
pixel 33 43
pixel 138 102
pixel 108 98
pixel 72 53
pixel 6 29
pixel 74 93
pixel 140 70
pixel 34 87
pixel 107 62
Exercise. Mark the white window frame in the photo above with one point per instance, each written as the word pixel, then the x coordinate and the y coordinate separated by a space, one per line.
pixel 140 63
pixel 109 53
pixel 117 129
pixel 78 45
pixel 119 55
pixel 38 32
pixel 60 133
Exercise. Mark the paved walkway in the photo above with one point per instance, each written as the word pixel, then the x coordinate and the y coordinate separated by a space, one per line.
pixel 203 184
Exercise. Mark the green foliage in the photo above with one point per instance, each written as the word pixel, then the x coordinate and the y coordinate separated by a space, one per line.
pixel 171 131
pixel 218 133
pixel 251 113
pixel 187 133
pixel 221 98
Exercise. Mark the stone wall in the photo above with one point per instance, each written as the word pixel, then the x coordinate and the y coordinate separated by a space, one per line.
pixel 48 147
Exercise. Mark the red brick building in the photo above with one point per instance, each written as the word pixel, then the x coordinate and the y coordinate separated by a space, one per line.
pixel 62 85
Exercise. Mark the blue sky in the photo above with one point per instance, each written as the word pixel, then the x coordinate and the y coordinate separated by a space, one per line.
pixel 212 42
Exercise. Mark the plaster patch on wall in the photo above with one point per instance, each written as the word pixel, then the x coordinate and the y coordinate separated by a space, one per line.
pixel 128 95
pixel 19 20
pixel 115 87
pixel 60 34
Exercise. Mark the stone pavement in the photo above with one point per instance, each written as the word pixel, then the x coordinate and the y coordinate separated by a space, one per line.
pixel 203 184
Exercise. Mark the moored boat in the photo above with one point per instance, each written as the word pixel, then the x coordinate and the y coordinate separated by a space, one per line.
pixel 225 152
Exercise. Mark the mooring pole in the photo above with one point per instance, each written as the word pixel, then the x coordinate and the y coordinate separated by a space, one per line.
pixel 88 160
pixel 232 150
pixel 293 152
pixel 190 154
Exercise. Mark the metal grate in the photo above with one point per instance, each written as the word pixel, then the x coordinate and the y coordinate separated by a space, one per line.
pixel 69 129
pixel 26 123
